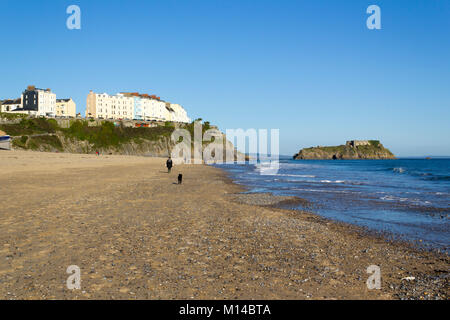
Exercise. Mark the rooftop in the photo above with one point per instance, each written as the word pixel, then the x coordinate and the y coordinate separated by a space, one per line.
pixel 11 101
pixel 33 88
pixel 141 95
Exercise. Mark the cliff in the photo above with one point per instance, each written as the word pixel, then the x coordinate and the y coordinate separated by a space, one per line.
pixel 369 149
pixel 46 135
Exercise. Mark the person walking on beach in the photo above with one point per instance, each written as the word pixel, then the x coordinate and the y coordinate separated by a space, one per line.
pixel 169 164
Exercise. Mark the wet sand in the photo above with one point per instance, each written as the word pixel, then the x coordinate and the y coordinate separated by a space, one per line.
pixel 136 234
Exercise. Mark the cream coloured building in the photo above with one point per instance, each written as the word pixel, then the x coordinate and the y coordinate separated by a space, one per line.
pixel 66 108
pixel 133 106
pixel 104 106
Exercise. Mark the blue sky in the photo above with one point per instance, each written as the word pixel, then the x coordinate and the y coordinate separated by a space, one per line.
pixel 309 68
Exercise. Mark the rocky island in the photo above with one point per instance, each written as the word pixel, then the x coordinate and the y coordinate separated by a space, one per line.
pixel 354 149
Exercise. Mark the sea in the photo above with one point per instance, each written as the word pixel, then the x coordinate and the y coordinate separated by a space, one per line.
pixel 407 199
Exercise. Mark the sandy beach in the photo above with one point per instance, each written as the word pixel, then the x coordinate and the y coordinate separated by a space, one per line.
pixel 136 234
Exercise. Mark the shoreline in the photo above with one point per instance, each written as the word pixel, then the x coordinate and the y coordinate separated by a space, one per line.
pixel 301 204
pixel 137 235
pixel 284 203
pixel 281 203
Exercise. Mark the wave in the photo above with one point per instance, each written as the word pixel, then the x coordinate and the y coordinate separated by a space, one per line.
pixel 399 170
pixel 329 181
pixel 297 175
pixel 316 182
pixel 401 199
pixel 438 178
pixel 422 175
pixel 325 191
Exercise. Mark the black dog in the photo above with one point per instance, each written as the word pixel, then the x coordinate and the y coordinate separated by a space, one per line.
pixel 180 178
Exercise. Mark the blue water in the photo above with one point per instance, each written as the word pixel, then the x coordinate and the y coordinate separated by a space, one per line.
pixel 408 198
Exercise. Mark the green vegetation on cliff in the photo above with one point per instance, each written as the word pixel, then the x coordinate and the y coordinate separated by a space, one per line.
pixel 370 149
pixel 12 116
pixel 109 135
pixel 29 126
pixel 43 134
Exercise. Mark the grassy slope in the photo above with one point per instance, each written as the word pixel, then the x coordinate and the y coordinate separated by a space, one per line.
pixel 104 136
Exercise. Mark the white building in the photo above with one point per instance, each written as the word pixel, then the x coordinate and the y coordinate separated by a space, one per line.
pixel 10 105
pixel 133 106
pixel 148 108
pixel 179 113
pixel 41 101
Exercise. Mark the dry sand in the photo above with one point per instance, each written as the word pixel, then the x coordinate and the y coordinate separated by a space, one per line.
pixel 136 234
